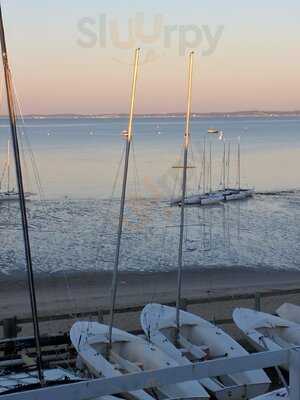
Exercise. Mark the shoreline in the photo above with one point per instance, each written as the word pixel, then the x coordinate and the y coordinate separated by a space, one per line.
pixel 88 292
pixel 58 293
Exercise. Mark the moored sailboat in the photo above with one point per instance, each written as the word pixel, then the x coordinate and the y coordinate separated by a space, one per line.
pixel 10 194
pixel 225 193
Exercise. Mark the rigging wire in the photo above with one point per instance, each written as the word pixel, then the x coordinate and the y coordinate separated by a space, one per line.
pixel 39 184
pixel 110 201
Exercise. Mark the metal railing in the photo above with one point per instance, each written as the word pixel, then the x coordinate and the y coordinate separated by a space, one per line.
pixel 87 390
pixel 186 302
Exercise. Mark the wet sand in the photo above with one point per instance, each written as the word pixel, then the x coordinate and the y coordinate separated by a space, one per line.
pixel 90 291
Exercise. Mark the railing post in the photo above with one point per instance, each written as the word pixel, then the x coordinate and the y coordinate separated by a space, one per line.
pixel 257 302
pixel 100 317
pixel 183 304
pixel 294 370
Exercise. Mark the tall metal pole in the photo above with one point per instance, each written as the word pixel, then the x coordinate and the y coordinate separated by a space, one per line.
pixel 123 197
pixel 184 179
pixel 228 164
pixel 239 163
pixel 210 168
pixel 204 165
pixel 224 162
pixel 14 135
pixel 8 166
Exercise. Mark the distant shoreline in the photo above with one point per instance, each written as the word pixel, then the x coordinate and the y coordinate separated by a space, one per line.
pixel 232 114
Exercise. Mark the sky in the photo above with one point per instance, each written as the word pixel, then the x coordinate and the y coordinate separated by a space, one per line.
pixel 76 56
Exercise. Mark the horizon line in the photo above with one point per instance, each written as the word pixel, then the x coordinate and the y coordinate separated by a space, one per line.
pixel 175 113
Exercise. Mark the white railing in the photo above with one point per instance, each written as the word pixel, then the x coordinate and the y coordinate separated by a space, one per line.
pixel 90 389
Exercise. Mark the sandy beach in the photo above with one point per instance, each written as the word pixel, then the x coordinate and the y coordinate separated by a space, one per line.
pixel 90 291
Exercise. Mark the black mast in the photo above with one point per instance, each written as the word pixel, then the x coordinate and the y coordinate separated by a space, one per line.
pixel 14 135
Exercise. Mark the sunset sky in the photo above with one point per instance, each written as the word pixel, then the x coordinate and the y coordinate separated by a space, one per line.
pixel 74 56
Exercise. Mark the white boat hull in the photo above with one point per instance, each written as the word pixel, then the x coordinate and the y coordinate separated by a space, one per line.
pixel 11 196
pixel 216 197
pixel 128 354
pixel 265 331
pixel 241 194
pixel 199 341
pixel 288 311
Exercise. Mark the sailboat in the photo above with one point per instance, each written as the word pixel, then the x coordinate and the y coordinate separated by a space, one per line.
pixel 107 351
pixel 226 193
pixel 239 193
pixel 35 375
pixel 10 194
pixel 188 338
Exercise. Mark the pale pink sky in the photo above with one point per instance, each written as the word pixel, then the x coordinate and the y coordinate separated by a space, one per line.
pixel 255 63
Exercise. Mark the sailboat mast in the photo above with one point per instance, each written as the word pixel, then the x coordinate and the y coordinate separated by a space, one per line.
pixel 228 164
pixel 239 163
pixel 204 165
pixel 184 179
pixel 224 165
pixel 14 135
pixel 210 167
pixel 123 197
pixel 8 166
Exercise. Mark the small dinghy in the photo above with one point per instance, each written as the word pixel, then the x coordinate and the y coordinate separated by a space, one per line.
pixel 275 395
pixel 288 311
pixel 265 331
pixel 128 354
pixel 199 340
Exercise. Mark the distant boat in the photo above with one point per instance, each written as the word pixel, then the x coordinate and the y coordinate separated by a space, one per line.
pixel 226 193
pixel 9 194
pixel 213 131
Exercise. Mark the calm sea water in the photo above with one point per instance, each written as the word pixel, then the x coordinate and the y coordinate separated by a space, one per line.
pixel 78 163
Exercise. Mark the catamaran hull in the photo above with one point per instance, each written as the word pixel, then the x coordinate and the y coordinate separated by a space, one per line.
pixel 206 340
pixel 199 200
pixel 238 194
pixel 216 197
pixel 129 354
